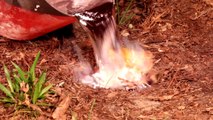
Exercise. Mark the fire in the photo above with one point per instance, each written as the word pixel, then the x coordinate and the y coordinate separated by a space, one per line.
pixel 125 67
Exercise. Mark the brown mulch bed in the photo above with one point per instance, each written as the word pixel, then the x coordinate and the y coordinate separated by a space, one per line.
pixel 179 33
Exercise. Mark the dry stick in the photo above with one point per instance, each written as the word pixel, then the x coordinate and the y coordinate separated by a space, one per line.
pixel 202 13
pixel 173 79
pixel 152 21
pixel 63 106
pixel 90 112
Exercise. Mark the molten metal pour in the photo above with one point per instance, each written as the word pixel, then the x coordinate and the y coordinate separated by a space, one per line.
pixel 125 67
pixel 119 66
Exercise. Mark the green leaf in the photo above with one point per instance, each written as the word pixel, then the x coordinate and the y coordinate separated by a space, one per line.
pixel 6 91
pixel 122 19
pixel 45 90
pixel 17 82
pixel 38 87
pixel 42 80
pixel 32 68
pixel 7 100
pixel 16 86
pixel 20 72
pixel 21 96
pixel 127 19
pixel 7 74
pixel 36 93
pixel 17 78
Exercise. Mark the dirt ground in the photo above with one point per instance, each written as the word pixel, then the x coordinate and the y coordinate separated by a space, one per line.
pixel 179 33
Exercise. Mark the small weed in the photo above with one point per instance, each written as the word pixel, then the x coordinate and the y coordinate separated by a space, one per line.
pixel 123 16
pixel 24 88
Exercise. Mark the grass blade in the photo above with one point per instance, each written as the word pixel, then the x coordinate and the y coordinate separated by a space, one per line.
pixel 18 81
pixel 42 80
pixel 21 96
pixel 7 73
pixel 38 87
pixel 45 90
pixel 17 78
pixel 125 12
pixel 36 93
pixel 20 72
pixel 32 68
pixel 127 19
pixel 7 100
pixel 16 86
pixel 118 9
pixel 6 91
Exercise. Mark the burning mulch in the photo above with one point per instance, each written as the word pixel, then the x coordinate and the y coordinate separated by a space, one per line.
pixel 179 35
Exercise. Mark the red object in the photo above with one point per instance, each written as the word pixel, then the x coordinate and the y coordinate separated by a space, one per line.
pixel 20 24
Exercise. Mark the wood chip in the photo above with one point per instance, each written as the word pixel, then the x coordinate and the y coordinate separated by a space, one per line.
pixel 59 113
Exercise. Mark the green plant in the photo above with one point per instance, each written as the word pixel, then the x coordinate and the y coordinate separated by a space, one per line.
pixel 24 88
pixel 123 17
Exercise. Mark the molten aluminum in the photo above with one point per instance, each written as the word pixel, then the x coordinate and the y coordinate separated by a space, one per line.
pixel 124 67
pixel 119 66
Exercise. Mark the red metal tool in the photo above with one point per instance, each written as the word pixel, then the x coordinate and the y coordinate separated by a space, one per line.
pixel 21 23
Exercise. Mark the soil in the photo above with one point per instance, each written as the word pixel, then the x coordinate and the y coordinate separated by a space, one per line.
pixel 179 33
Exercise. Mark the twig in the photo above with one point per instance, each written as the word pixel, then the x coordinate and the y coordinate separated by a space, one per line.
pixel 202 13
pixel 173 79
pixel 90 111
